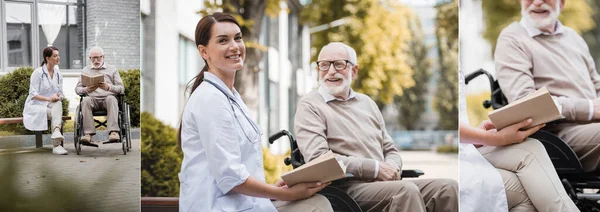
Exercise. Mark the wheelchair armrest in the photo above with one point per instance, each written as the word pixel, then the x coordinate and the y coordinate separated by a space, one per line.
pixel 411 173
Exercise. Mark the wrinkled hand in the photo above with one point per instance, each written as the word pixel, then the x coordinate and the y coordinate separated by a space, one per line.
pixel 387 172
pixel 513 134
pixel 91 88
pixel 104 86
pixel 302 191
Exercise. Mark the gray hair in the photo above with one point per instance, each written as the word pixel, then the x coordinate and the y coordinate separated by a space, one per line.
pixel 349 50
pixel 98 48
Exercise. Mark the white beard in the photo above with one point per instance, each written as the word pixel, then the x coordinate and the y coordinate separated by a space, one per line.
pixel 338 89
pixel 545 22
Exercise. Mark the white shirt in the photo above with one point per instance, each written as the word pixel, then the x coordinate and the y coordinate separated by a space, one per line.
pixel 481 186
pixel 35 116
pixel 222 148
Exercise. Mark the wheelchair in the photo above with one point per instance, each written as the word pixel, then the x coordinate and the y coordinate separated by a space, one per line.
pixel 340 200
pixel 123 122
pixel 565 161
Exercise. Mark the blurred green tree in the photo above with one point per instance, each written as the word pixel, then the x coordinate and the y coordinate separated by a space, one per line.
pixel 577 14
pixel 592 37
pixel 413 102
pixel 378 31
pixel 161 161
pixel 446 96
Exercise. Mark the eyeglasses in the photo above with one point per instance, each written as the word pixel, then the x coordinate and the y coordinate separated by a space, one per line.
pixel 338 65
pixel 96 58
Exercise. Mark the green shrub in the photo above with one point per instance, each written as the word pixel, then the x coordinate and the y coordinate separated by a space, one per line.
pixel 161 161
pixel 13 93
pixel 131 81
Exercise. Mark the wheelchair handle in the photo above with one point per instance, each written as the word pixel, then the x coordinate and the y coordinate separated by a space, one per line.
pixel 471 76
pixel 279 134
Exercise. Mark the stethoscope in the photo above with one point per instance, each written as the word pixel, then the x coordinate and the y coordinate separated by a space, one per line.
pixel 232 102
pixel 45 73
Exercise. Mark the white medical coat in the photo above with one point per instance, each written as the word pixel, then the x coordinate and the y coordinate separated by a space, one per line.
pixel 222 148
pixel 35 116
pixel 481 186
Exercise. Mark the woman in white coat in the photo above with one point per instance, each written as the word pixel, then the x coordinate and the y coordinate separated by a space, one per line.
pixel 44 101
pixel 222 168
pixel 503 170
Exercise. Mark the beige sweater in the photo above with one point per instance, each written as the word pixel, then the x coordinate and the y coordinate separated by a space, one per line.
pixel 353 129
pixel 562 62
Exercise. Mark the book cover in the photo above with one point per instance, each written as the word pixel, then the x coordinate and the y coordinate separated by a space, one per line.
pixel 94 80
pixel 322 169
pixel 539 106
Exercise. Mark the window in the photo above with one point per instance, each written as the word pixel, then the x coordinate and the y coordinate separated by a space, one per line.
pixel 190 64
pixel 58 26
pixel 18 34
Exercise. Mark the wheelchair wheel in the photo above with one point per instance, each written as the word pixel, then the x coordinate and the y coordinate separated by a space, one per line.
pixel 128 124
pixel 78 127
pixel 340 201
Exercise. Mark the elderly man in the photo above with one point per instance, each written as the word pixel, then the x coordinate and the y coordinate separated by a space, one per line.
pixel 100 97
pixel 336 118
pixel 539 51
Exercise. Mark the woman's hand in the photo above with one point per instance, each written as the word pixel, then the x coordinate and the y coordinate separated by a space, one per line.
pixel 280 183
pixel 512 133
pixel 300 191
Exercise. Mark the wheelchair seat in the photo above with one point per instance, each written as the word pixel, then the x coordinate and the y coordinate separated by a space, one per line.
pixel 124 124
pixel 565 161
pixel 339 199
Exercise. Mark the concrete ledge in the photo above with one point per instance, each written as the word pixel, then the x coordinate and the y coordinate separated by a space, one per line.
pixel 20 141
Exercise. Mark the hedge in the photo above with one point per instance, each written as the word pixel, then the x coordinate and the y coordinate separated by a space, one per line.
pixel 13 94
pixel 131 81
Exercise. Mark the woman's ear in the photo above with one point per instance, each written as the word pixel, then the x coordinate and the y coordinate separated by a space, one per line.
pixel 203 52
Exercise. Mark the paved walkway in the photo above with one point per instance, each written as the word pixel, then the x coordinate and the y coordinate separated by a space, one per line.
pixel 433 164
pixel 100 179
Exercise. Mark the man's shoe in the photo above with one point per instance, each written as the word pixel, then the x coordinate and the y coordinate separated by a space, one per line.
pixel 86 138
pixel 114 136
pixel 57 136
pixel 59 150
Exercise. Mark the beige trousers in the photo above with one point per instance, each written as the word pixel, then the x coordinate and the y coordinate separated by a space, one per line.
pixel 585 141
pixel 109 103
pixel 316 203
pixel 533 169
pixel 405 195
pixel 54 114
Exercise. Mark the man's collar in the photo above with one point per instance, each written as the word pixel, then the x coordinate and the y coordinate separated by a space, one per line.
pixel 328 97
pixel 532 31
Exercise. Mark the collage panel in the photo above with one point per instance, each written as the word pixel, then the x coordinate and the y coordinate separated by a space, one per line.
pixel 530 105
pixel 231 89
pixel 69 105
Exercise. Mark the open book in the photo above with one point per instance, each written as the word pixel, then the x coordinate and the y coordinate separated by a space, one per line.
pixel 538 106
pixel 89 81
pixel 323 169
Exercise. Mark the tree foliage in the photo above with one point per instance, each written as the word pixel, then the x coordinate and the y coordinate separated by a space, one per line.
pixel 413 103
pixel 592 37
pixel 378 31
pixel 446 96
pixel 577 14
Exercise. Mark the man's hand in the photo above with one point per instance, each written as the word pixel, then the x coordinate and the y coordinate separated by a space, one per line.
pixel 387 172
pixel 596 116
pixel 104 86
pixel 91 88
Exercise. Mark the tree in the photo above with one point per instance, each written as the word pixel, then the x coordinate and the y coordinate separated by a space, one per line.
pixel 378 31
pixel 161 161
pixel 412 103
pixel 446 96
pixel 592 37
pixel 250 15
pixel 577 14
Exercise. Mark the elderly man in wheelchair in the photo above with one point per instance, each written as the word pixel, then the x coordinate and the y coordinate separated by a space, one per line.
pixel 351 125
pixel 102 99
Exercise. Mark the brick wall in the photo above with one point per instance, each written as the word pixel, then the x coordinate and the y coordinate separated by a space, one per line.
pixel 114 25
